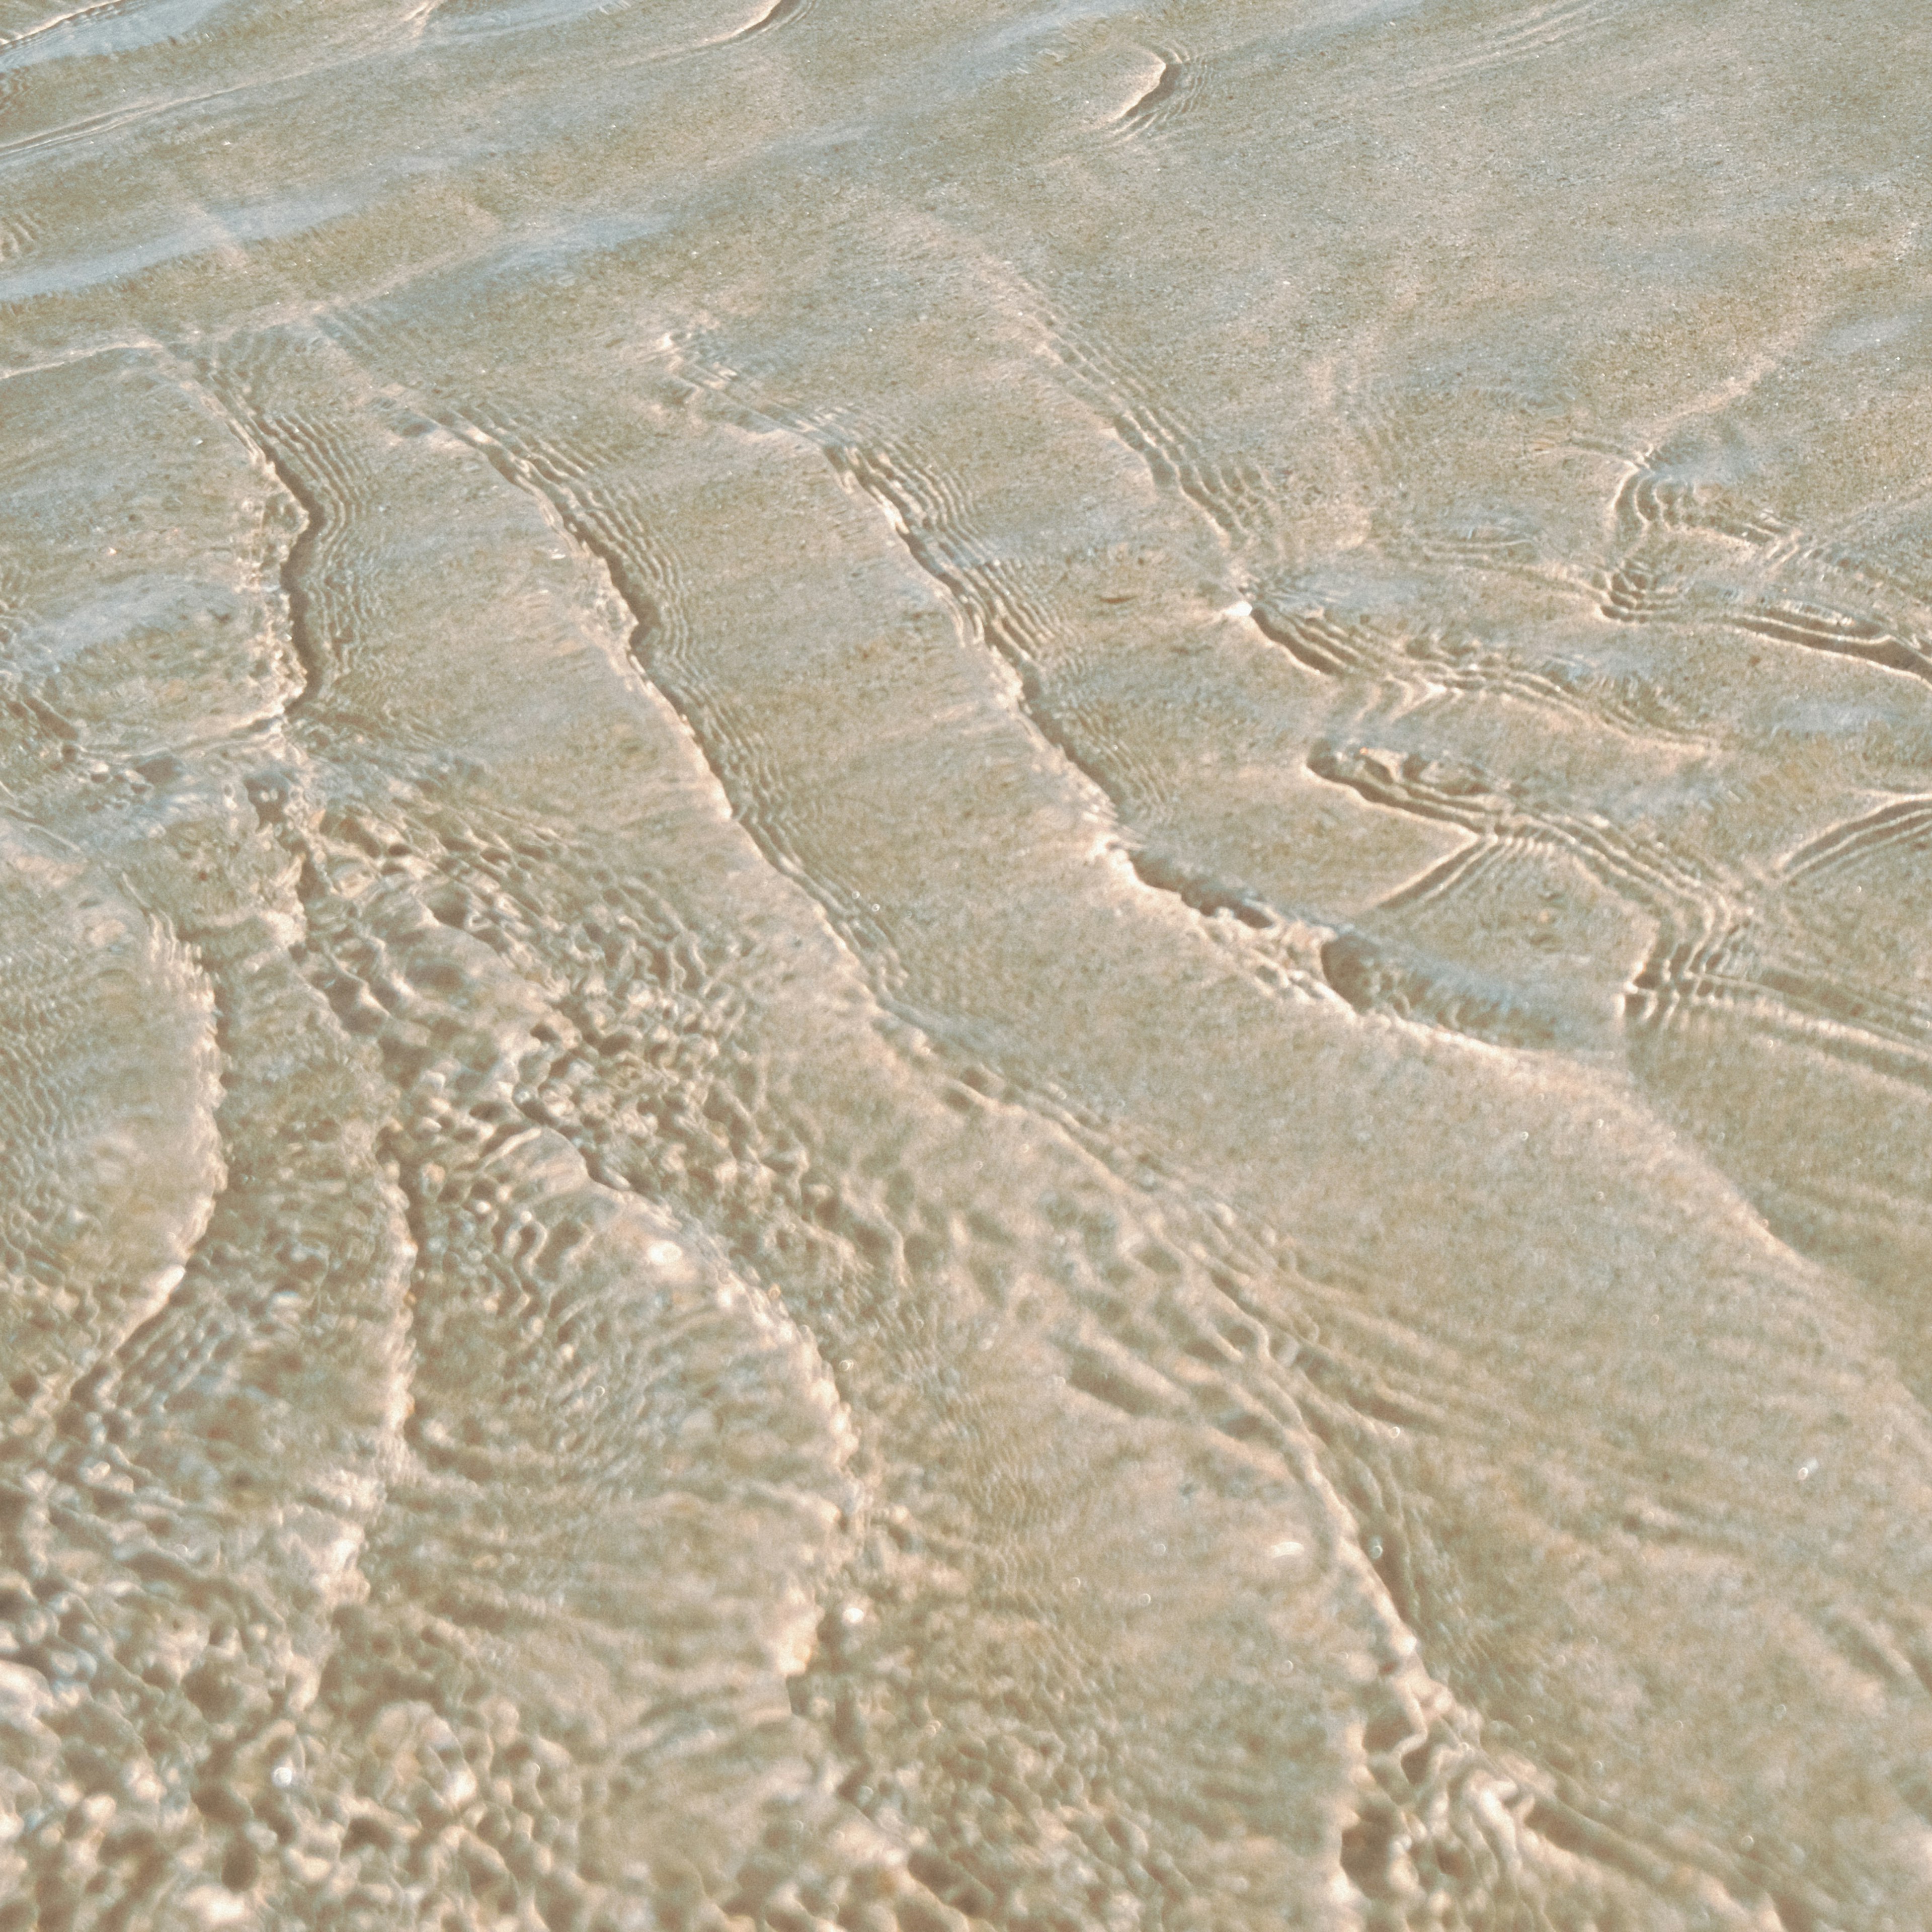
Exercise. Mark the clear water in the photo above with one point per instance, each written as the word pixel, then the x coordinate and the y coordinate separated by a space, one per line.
pixel 965 964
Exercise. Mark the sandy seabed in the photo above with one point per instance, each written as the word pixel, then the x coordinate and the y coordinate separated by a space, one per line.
pixel 965 964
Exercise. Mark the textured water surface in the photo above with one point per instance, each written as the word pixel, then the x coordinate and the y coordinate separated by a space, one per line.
pixel 965 964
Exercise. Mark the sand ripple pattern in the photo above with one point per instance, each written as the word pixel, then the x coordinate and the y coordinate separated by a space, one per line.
pixel 964 971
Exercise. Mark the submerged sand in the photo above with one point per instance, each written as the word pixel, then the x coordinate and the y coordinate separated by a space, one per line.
pixel 965 963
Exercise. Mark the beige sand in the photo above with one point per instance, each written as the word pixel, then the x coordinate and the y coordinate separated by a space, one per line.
pixel 965 963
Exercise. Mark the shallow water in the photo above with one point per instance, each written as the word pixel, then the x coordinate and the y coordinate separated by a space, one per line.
pixel 965 964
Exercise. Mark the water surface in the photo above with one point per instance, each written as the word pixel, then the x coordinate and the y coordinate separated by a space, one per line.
pixel 965 965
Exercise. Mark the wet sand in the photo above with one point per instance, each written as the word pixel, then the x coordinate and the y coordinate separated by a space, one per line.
pixel 965 965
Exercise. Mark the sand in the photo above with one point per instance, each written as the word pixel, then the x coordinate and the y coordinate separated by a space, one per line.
pixel 965 965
